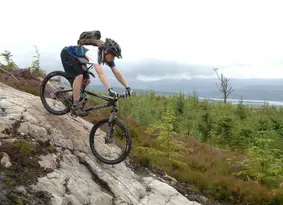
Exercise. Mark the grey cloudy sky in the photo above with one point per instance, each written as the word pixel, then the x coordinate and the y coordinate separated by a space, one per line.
pixel 243 38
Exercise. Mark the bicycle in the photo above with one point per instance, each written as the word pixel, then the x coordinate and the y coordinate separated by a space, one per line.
pixel 111 122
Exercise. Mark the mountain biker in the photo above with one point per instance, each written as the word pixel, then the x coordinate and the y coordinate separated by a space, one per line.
pixel 95 55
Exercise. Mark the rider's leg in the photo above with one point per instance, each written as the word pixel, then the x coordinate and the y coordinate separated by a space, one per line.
pixel 76 89
pixel 73 69
pixel 85 84
pixel 77 84
pixel 86 81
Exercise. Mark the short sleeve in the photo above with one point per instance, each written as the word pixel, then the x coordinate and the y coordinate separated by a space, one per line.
pixel 92 54
pixel 111 64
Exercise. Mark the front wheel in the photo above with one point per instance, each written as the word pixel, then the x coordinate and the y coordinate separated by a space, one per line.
pixel 107 149
pixel 56 93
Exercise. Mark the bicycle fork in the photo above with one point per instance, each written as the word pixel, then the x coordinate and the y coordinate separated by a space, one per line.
pixel 111 123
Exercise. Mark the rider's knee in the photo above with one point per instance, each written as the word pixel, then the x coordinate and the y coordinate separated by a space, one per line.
pixel 80 76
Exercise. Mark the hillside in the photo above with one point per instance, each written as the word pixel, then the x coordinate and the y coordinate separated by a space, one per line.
pixel 215 152
pixel 45 159
pixel 248 89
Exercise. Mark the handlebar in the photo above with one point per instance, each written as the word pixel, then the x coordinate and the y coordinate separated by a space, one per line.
pixel 122 96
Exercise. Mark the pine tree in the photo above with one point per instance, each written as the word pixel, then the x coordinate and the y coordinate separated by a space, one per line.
pixel 36 62
pixel 180 103
pixel 7 55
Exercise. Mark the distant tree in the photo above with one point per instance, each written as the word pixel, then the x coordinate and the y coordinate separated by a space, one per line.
pixel 224 86
pixel 35 65
pixel 36 62
pixel 180 103
pixel 241 110
pixel 206 124
pixel 7 55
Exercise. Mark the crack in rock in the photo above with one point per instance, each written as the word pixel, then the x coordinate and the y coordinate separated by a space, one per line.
pixel 13 130
pixel 170 197
pixel 67 191
pixel 98 181
pixel 2 111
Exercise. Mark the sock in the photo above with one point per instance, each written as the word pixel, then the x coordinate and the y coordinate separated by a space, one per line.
pixel 76 102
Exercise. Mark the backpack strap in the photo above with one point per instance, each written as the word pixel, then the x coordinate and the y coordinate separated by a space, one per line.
pixel 80 51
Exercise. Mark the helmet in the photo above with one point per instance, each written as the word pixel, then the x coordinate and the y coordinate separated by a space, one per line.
pixel 113 47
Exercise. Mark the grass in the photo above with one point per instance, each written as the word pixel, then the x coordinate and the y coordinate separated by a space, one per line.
pixel 207 171
pixel 17 199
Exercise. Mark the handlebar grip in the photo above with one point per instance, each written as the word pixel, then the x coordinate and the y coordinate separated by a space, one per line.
pixel 122 95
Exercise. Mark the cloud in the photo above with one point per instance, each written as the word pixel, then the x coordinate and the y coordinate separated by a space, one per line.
pixel 198 37
pixel 153 70
pixel 164 69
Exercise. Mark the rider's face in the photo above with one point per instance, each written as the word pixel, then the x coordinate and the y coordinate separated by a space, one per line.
pixel 108 56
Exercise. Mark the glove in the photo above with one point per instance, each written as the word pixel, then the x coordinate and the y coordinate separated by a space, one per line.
pixel 112 93
pixel 128 91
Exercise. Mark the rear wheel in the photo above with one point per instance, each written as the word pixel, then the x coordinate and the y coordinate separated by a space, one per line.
pixel 56 93
pixel 110 150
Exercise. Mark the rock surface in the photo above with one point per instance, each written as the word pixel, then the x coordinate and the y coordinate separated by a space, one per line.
pixel 76 176
pixel 5 161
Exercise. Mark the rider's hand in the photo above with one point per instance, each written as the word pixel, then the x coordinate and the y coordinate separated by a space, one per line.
pixel 128 91
pixel 112 93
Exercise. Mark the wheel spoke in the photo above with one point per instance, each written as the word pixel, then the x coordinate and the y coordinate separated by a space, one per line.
pixel 55 88
pixel 110 152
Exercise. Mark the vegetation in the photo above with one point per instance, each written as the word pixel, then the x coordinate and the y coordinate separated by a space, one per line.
pixel 7 56
pixel 230 153
pixel 35 65
pixel 25 170
pixel 26 79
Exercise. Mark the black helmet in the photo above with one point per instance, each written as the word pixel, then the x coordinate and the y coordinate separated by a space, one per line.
pixel 113 47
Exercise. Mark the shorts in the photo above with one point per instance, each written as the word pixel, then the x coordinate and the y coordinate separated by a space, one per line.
pixel 72 66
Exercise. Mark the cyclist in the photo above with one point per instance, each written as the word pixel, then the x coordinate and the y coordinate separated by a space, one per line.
pixel 95 55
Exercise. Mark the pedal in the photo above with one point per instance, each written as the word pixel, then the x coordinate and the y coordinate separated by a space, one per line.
pixel 71 115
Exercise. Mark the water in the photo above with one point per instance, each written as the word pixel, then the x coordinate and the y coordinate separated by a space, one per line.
pixel 247 102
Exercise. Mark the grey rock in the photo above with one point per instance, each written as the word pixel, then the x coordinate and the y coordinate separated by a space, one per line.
pixel 5 161
pixel 21 190
pixel 162 193
pixel 49 161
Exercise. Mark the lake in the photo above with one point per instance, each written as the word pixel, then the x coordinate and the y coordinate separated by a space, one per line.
pixel 247 102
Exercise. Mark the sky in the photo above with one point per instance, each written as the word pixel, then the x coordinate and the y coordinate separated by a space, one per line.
pixel 159 39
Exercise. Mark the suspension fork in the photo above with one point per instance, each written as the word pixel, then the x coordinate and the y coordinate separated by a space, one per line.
pixel 111 122
pixel 112 119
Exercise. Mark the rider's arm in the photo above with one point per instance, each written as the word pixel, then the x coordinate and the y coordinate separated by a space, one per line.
pixel 119 76
pixel 101 75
